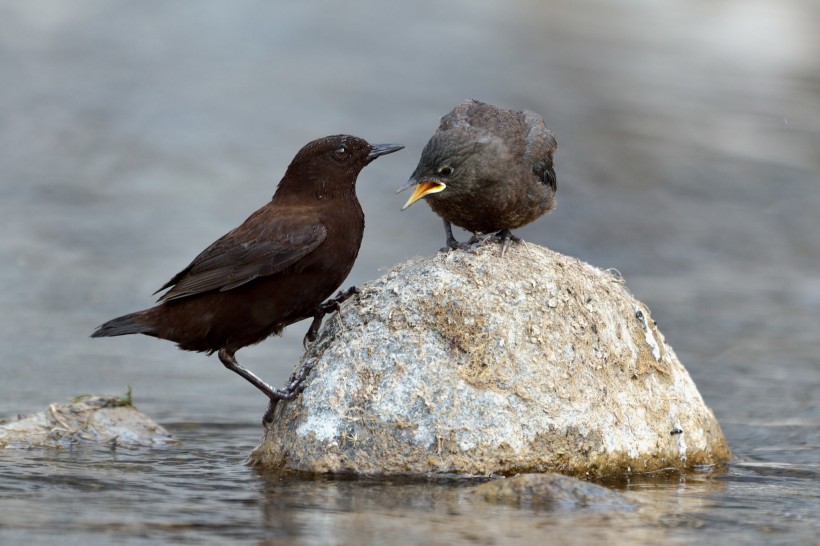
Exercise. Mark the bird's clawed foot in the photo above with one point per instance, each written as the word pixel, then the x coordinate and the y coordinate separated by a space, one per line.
pixel 331 305
pixel 452 244
pixel 505 237
pixel 294 387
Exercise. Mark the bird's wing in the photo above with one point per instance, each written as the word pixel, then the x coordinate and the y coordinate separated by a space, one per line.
pixel 540 146
pixel 235 259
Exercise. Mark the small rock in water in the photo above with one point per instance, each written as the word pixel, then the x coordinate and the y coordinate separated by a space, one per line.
pixel 108 420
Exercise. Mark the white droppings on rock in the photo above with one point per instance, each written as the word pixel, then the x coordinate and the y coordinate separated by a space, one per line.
pixel 650 338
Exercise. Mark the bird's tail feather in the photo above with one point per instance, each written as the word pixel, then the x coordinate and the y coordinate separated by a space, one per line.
pixel 126 324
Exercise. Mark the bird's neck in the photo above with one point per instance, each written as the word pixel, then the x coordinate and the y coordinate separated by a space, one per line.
pixel 319 189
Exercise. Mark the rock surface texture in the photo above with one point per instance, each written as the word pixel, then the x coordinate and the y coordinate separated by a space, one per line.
pixel 470 363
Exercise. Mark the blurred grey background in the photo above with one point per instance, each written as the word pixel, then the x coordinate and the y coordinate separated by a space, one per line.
pixel 133 134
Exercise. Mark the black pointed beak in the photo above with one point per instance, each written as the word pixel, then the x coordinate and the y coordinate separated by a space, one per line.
pixel 377 150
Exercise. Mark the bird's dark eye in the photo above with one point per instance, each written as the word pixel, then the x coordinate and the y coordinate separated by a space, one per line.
pixel 446 170
pixel 340 152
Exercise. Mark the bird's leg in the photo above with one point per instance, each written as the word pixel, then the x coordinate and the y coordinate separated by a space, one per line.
pixel 452 243
pixel 333 304
pixel 291 390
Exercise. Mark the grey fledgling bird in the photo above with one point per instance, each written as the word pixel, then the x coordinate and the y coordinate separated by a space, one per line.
pixel 487 170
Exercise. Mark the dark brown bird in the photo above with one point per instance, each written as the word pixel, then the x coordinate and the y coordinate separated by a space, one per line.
pixel 487 170
pixel 273 270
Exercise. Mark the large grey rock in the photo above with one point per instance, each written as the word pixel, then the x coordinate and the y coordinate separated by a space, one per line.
pixel 471 363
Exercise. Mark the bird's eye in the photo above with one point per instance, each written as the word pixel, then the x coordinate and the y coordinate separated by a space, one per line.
pixel 445 170
pixel 341 152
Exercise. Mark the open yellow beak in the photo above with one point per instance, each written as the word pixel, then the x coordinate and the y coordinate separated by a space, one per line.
pixel 423 188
